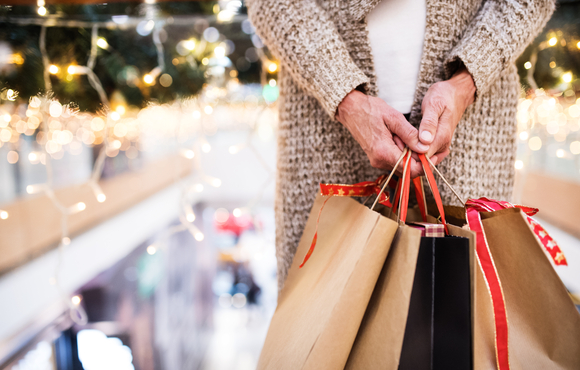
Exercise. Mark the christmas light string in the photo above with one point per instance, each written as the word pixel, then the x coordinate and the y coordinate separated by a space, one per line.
pixel 544 112
pixel 187 216
pixel 76 311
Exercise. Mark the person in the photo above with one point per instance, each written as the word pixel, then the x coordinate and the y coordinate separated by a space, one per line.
pixel 351 69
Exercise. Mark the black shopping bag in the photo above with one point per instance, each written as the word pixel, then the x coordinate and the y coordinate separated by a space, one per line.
pixel 438 331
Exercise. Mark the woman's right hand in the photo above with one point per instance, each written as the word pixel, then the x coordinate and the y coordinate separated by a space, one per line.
pixel 381 131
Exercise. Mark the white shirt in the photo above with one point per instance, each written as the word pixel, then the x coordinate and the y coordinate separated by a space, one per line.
pixel 396 33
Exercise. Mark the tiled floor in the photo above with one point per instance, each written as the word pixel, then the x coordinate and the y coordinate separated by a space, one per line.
pixel 238 338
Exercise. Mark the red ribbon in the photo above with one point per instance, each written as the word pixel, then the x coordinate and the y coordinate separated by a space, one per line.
pixel 552 248
pixel 473 207
pixel 362 189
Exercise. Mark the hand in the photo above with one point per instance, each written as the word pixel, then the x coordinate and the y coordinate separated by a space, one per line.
pixel 380 130
pixel 442 108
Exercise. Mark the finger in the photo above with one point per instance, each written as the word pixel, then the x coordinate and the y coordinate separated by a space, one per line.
pixel 399 142
pixel 429 123
pixel 386 155
pixel 442 140
pixel 439 157
pixel 398 125
pixel 416 169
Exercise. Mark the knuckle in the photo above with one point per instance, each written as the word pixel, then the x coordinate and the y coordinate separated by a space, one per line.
pixel 379 158
pixel 375 160
pixel 438 102
pixel 429 122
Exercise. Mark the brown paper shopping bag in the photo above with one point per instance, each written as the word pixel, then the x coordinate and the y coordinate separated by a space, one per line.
pixel 523 316
pixel 419 315
pixel 322 304
pixel 543 323
pixel 379 342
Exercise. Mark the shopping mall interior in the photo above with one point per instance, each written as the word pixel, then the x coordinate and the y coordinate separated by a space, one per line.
pixel 138 172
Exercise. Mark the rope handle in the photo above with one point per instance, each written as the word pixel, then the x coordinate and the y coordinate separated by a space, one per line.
pixel 403 188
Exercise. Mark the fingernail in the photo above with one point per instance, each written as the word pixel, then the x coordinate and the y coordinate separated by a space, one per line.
pixel 422 147
pixel 426 136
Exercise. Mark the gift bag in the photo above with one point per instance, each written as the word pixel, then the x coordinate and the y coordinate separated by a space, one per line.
pixel 525 317
pixel 322 304
pixel 422 319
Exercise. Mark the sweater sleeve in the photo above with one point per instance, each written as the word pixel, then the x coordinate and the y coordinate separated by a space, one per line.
pixel 300 34
pixel 497 35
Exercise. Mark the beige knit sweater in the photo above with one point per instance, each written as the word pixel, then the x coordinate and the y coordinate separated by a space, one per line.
pixel 324 52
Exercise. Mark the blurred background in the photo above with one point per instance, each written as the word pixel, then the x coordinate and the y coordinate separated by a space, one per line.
pixel 137 168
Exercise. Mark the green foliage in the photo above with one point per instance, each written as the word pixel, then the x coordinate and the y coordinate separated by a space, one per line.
pixel 564 25
pixel 120 68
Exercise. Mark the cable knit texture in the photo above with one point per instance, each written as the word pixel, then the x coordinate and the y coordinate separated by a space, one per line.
pixel 325 53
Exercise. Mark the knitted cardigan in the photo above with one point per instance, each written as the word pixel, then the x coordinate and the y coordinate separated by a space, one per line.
pixel 324 52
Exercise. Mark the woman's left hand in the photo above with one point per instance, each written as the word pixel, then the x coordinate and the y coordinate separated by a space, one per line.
pixel 442 108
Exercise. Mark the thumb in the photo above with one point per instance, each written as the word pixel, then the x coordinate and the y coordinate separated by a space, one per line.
pixel 428 126
pixel 400 127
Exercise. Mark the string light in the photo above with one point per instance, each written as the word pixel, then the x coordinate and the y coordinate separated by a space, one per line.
pixel 148 79
pixel 189 215
pixel 187 153
pixel 76 300
pixel 567 77
pixel 189 44
pixel 77 313
pixel 219 52
pixel 552 41
pixel 56 110
pixel 37 188
pixel 205 146
pixel 101 197
pixel 152 249
pixel 234 149
pixel 79 207
pixel 3 214
pixel 102 43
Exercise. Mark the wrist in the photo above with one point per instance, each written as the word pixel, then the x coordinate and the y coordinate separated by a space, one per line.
pixel 464 85
pixel 352 99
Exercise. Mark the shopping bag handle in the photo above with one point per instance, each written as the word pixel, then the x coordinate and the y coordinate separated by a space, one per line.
pixel 433 185
pixel 403 187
